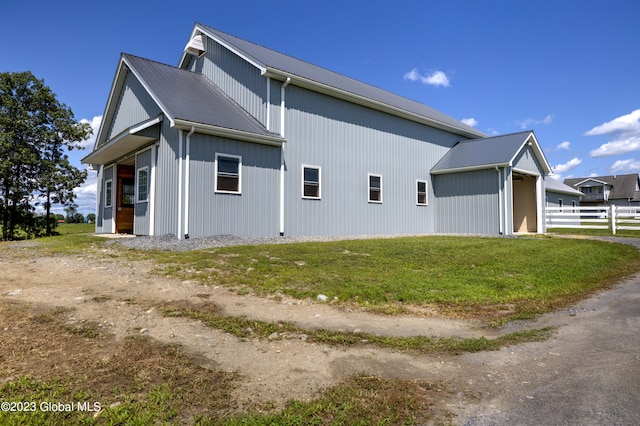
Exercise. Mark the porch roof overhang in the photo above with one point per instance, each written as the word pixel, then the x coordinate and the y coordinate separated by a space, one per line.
pixel 122 144
pixel 490 153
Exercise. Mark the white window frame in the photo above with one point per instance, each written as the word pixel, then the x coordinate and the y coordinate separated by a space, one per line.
pixel 319 169
pixel 108 194
pixel 145 200
pixel 215 180
pixel 369 176
pixel 426 192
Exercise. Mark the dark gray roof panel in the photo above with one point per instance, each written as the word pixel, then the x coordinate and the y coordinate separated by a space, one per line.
pixel 481 153
pixel 289 65
pixel 189 96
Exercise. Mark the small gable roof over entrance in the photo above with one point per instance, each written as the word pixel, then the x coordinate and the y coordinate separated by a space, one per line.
pixel 487 153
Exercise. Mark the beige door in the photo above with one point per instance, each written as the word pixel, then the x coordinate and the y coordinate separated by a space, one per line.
pixel 524 204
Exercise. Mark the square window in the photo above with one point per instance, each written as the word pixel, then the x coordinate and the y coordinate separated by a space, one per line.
pixel 375 188
pixel 310 182
pixel 421 193
pixel 228 173
pixel 143 184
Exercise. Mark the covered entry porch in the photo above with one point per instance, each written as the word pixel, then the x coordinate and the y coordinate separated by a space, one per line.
pixel 492 186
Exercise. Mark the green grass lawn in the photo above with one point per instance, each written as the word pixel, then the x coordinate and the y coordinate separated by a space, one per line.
pixel 462 275
pixel 626 233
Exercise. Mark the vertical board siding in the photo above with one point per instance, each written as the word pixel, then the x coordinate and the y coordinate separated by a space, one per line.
pixel 166 216
pixel 237 78
pixel 527 161
pixel 467 202
pixel 348 142
pixel 135 105
pixel 141 209
pixel 253 212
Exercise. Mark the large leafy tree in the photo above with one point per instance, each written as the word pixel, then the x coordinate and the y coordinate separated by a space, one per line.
pixel 36 132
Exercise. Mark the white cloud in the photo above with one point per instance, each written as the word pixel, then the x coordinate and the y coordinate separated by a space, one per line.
pixel 437 78
pixel 624 132
pixel 470 122
pixel 560 169
pixel 629 165
pixel 95 125
pixel 617 147
pixel 564 145
pixel 629 123
pixel 548 119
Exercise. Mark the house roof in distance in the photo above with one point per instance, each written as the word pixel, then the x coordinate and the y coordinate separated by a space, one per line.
pixel 622 186
pixel 486 153
pixel 280 66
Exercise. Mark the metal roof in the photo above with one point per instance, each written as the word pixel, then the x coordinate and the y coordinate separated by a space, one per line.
pixel 277 64
pixel 188 96
pixel 554 185
pixel 477 154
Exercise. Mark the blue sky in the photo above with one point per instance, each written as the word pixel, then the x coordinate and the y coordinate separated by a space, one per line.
pixel 569 70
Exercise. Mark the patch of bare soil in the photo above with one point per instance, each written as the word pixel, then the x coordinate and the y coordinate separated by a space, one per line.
pixel 99 303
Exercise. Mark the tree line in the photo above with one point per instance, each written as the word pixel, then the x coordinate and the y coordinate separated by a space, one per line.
pixel 36 132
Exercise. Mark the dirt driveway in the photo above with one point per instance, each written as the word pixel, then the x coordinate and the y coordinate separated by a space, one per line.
pixel 588 373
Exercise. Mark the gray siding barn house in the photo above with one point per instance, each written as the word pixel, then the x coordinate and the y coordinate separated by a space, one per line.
pixel 240 139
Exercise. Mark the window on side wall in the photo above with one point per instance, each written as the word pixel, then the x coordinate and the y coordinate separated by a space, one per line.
pixel 421 192
pixel 143 184
pixel 311 182
pixel 228 171
pixel 108 193
pixel 375 188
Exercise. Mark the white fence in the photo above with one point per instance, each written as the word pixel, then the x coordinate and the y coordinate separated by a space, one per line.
pixel 604 217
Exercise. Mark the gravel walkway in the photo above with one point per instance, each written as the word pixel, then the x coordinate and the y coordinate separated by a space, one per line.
pixel 170 243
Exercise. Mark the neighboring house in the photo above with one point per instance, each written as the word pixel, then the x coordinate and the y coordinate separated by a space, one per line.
pixel 561 195
pixel 240 139
pixel 620 190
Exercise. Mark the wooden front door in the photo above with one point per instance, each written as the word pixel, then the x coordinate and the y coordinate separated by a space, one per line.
pixel 124 200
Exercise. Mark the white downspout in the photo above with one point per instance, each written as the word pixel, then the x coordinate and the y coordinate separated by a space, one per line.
pixel 152 191
pixel 282 163
pixel 507 207
pixel 114 201
pixel 500 214
pixel 180 138
pixel 186 184
pixel 268 126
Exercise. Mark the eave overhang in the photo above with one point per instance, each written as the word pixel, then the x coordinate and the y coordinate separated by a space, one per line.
pixel 123 143
pixel 208 129
pixel 470 168
pixel 599 182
